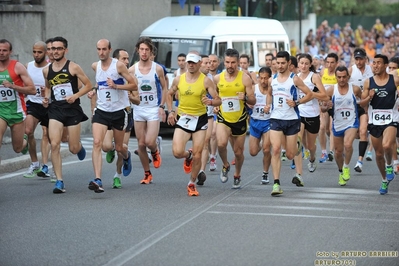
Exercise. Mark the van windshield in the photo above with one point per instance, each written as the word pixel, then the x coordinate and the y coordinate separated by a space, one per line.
pixel 169 48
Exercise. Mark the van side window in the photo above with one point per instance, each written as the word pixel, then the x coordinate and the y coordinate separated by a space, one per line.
pixel 281 47
pixel 245 48
pixel 221 47
pixel 265 48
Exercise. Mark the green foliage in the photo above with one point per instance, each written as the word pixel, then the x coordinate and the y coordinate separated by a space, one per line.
pixel 231 7
pixel 354 7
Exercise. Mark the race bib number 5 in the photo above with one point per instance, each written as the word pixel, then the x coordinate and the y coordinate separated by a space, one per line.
pixel 382 117
pixel 188 122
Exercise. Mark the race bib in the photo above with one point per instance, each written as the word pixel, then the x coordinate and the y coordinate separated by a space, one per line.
pixel 62 91
pixel 7 94
pixel 107 94
pixel 230 104
pixel 382 117
pixel 188 122
pixel 148 98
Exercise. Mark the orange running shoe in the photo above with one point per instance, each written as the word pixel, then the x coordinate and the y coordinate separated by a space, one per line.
pixel 192 190
pixel 188 163
pixel 156 159
pixel 233 162
pixel 146 180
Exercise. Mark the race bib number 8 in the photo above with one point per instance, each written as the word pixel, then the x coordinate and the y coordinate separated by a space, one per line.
pixel 188 122
pixel 382 117
pixel 230 104
pixel 62 91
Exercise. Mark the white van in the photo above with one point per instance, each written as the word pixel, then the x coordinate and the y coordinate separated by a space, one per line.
pixel 213 35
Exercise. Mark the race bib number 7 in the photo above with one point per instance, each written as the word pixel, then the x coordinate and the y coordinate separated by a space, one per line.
pixel 188 122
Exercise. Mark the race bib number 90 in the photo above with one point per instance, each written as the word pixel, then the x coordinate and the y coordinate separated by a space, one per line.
pixel 6 94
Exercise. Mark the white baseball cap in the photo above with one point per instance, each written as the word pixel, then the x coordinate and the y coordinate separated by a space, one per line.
pixel 193 58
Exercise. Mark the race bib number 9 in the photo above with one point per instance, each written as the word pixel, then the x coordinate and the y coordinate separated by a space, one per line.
pixel 230 104
pixel 6 94
pixel 188 122
pixel 382 117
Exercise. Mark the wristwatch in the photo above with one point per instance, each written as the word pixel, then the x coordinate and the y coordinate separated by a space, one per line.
pixel 162 106
pixel 297 103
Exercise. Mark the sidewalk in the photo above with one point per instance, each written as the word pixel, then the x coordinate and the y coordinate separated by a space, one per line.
pixel 10 161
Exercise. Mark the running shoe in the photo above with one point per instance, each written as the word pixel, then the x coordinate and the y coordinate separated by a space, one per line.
pixel 212 164
pixel 284 156
pixel 43 171
pixel 53 177
pixel 26 148
pixel 396 168
pixel 306 154
pixel 331 156
pixel 346 173
pixel 224 174
pixel 188 163
pixel 299 145
pixel 127 165
pixel 369 156
pixel 297 180
pixel 389 173
pixel 32 171
pixel 156 159
pixel 201 178
pixel 237 183
pixel 384 188
pixel 265 179
pixel 277 190
pixel 292 164
pixel 323 158
pixel 312 166
pixel 82 153
pixel 159 146
pixel 358 166
pixel 117 183
pixel 59 187
pixel 96 185
pixel 147 179
pixel 233 162
pixel 341 180
pixel 192 190
pixel 110 157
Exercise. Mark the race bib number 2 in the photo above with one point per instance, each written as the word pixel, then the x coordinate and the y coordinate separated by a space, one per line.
pixel 382 117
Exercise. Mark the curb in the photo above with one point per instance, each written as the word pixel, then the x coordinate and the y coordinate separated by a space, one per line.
pixel 18 163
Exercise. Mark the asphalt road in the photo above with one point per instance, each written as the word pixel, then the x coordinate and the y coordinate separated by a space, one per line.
pixel 158 224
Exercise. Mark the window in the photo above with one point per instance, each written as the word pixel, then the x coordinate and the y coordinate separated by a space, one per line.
pixel 168 50
pixel 265 48
pixel 245 48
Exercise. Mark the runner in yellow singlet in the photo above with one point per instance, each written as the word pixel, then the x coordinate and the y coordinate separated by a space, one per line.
pixel 192 119
pixel 235 88
pixel 328 79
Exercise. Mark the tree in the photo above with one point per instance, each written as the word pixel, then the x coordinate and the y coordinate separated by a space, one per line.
pixel 231 7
